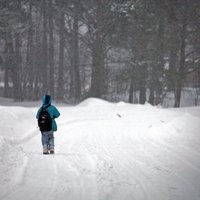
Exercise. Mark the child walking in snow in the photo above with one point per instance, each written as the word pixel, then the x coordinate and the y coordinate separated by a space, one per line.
pixel 46 121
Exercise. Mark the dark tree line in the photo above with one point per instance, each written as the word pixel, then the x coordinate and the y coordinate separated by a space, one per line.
pixel 73 49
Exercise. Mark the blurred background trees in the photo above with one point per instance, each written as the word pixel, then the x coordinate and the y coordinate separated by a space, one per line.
pixel 131 50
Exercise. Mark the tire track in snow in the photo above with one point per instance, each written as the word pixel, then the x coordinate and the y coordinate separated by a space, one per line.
pixel 17 181
pixel 76 181
pixel 156 167
pixel 123 173
pixel 97 166
pixel 165 156
pixel 106 171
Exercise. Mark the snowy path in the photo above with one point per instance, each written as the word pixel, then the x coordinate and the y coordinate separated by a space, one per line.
pixel 111 152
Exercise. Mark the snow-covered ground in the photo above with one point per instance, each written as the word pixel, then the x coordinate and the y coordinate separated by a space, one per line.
pixel 104 151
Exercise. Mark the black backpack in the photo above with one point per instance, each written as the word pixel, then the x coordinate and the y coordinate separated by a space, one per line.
pixel 44 120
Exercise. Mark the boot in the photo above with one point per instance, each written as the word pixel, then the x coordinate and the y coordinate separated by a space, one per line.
pixel 51 151
pixel 45 149
pixel 51 148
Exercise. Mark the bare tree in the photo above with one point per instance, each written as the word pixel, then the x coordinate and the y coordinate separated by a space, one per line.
pixel 60 86
pixel 51 82
pixel 44 49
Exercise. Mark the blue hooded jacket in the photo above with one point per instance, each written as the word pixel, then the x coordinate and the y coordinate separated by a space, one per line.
pixel 52 110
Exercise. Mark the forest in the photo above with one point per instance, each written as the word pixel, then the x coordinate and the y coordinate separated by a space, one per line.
pixel 131 50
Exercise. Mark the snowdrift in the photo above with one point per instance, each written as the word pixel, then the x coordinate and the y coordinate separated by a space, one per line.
pixel 94 102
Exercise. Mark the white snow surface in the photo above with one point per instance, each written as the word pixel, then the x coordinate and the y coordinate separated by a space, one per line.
pixel 103 151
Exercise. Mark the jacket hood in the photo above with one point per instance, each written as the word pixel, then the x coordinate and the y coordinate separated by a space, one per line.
pixel 46 100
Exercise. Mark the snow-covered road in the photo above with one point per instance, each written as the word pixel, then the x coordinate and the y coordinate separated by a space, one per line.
pixel 103 151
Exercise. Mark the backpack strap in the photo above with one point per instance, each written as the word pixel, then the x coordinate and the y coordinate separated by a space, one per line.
pixel 45 107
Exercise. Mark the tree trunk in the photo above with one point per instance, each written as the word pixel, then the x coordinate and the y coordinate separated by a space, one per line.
pixel 151 96
pixel 10 60
pixel 38 64
pixel 98 70
pixel 172 58
pixel 160 61
pixel 44 49
pixel 6 72
pixel 174 44
pixel 142 84
pixel 180 79
pixel 130 100
pixel 16 70
pixel 77 88
pixel 142 94
pixel 29 56
pixel 51 84
pixel 98 82
pixel 60 89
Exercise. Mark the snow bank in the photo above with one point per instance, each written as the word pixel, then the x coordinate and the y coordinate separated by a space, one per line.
pixel 94 102
pixel 17 121
pixel 5 145
pixel 12 158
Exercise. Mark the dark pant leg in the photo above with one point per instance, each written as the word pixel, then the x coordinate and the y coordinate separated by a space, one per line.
pixel 45 141
pixel 51 140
